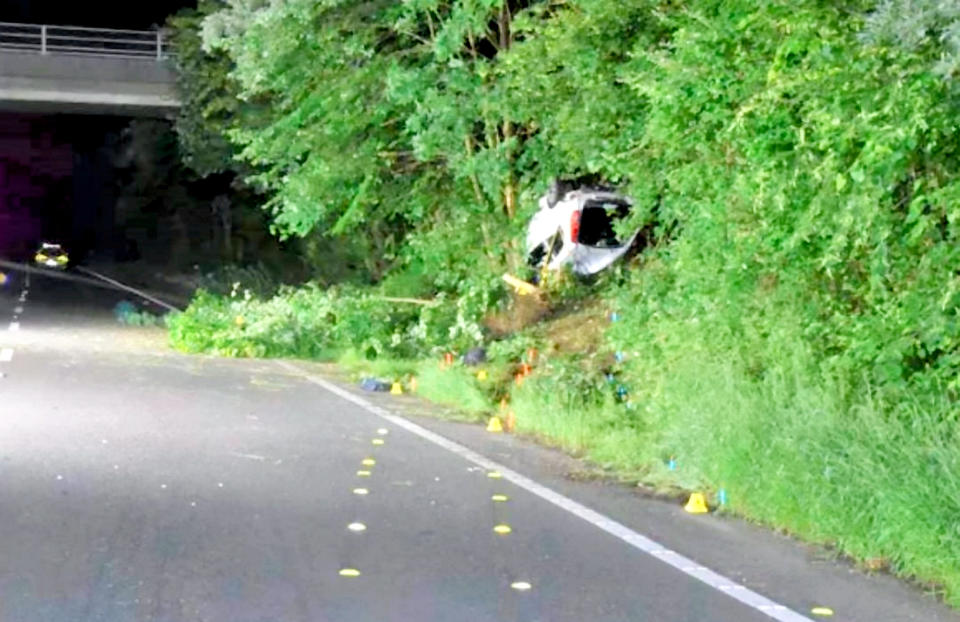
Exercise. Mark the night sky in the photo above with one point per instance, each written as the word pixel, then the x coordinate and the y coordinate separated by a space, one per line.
pixel 134 14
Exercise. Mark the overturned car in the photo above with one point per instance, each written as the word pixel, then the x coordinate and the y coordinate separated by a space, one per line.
pixel 578 229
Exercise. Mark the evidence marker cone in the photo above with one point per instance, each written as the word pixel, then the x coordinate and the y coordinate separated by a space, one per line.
pixel 697 504
pixel 482 375
pixel 396 389
pixel 494 425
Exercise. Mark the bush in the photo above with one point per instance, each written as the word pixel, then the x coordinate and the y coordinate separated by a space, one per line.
pixel 315 322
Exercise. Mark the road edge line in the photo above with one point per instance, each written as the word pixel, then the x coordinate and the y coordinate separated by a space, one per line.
pixel 722 584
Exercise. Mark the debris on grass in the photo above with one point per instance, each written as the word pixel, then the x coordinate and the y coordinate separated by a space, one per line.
pixel 374 385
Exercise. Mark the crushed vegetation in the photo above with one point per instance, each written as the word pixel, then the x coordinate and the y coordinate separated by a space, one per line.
pixel 789 333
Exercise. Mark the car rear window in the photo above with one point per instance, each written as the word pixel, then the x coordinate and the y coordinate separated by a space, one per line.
pixel 597 221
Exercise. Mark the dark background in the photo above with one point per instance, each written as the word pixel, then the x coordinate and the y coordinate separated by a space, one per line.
pixel 59 178
pixel 134 14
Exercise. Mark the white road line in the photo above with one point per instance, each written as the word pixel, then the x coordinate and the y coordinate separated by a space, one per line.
pixel 6 355
pixel 18 310
pixel 685 565
pixel 14 327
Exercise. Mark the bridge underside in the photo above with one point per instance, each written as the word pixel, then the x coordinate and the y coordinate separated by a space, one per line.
pixel 31 82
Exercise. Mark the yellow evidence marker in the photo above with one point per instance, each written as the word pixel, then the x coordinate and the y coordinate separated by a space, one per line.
pixel 697 504
pixel 349 572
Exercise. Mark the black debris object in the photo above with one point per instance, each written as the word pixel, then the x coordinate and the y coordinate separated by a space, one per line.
pixel 475 356
pixel 372 384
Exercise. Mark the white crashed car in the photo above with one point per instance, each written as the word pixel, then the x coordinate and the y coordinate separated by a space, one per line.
pixel 578 230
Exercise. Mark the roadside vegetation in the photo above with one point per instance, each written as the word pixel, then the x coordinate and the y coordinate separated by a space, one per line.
pixel 789 334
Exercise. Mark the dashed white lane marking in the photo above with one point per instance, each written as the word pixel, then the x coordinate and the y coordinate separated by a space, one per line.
pixel 256 457
pixel 18 309
pixel 6 355
pixel 14 327
pixel 685 565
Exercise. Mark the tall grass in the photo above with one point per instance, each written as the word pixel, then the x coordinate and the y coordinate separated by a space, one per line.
pixel 795 448
pixel 456 387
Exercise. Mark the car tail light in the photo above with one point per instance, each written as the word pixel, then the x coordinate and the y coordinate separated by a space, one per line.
pixel 575 226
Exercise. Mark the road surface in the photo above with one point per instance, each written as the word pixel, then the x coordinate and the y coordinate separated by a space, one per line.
pixel 139 484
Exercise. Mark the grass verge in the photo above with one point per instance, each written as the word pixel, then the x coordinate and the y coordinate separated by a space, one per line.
pixel 793 450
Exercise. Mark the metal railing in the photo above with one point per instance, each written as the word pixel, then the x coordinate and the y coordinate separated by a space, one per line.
pixel 80 41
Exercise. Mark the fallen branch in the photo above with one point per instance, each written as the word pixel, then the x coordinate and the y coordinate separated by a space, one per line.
pixel 522 287
pixel 413 301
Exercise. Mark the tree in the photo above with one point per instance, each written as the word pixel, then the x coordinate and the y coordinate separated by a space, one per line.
pixel 930 27
pixel 209 96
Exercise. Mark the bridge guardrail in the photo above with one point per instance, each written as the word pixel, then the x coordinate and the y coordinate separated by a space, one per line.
pixel 82 41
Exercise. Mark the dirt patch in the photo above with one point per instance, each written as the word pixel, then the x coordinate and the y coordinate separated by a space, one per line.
pixel 577 331
pixel 523 312
pixel 573 329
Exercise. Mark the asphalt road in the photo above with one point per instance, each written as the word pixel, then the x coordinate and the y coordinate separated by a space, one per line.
pixel 140 484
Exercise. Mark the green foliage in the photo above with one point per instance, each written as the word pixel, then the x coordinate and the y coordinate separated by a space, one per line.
pixel 209 104
pixel 930 26
pixel 142 318
pixel 456 387
pixel 794 166
pixel 316 322
pixel 806 452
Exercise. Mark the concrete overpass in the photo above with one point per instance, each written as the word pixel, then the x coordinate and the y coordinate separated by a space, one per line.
pixel 65 69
